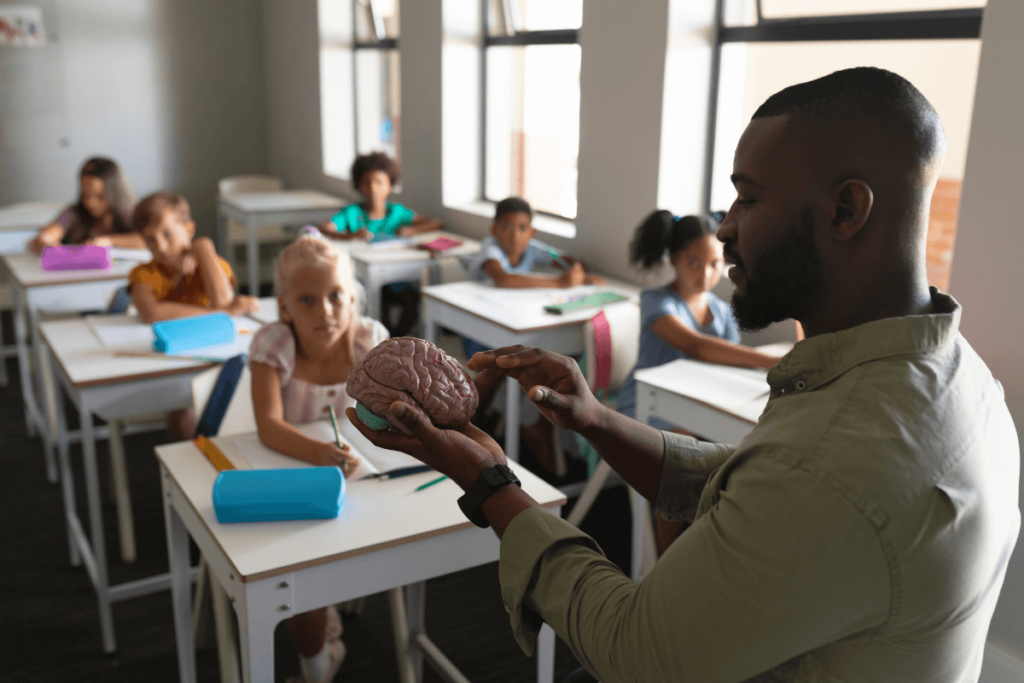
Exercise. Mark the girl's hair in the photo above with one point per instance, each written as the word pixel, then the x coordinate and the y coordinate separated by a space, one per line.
pixel 662 233
pixel 313 248
pixel 376 161
pixel 119 198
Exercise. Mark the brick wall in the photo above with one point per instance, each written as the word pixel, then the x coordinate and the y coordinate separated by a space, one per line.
pixel 942 232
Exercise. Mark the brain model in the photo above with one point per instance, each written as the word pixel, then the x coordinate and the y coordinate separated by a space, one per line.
pixel 416 372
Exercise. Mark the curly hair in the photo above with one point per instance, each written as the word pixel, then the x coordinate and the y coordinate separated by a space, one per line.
pixel 375 161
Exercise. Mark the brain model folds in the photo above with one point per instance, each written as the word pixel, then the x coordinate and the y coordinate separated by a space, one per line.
pixel 416 372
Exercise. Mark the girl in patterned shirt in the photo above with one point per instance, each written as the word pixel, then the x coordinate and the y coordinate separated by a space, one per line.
pixel 299 368
pixel 102 215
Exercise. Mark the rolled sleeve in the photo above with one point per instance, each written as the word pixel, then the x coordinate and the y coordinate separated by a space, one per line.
pixel 687 467
pixel 531 536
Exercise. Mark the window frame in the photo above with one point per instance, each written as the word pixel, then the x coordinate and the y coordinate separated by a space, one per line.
pixel 943 24
pixel 382 43
pixel 514 36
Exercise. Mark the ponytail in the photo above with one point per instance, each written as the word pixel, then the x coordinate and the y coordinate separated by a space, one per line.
pixel 662 233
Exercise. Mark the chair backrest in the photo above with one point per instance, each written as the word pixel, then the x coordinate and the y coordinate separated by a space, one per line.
pixel 226 394
pixel 617 326
pixel 120 302
pixel 240 184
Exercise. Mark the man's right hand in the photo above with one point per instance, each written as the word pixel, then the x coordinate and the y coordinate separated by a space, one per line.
pixel 553 382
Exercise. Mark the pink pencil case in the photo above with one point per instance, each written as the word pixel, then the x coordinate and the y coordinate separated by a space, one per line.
pixel 440 244
pixel 80 257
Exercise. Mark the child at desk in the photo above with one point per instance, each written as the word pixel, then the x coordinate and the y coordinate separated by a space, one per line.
pixel 508 258
pixel 299 369
pixel 683 319
pixel 101 216
pixel 185 277
pixel 375 219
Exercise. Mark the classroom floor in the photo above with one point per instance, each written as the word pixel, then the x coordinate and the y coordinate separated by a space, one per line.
pixel 49 630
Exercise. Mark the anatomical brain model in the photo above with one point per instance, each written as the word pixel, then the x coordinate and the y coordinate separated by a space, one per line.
pixel 416 372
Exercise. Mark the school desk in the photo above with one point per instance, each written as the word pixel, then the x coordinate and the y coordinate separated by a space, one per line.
pixel 100 382
pixel 388 535
pixel 19 223
pixel 502 317
pixel 36 290
pixel 381 263
pixel 718 402
pixel 258 209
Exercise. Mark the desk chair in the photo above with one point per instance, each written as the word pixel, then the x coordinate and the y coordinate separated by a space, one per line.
pixel 237 233
pixel 226 393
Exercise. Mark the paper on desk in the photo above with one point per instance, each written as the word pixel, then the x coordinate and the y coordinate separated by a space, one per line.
pixel 392 243
pixel 129 332
pixel 533 297
pixel 123 254
pixel 246 451
pixel 729 388
pixel 267 313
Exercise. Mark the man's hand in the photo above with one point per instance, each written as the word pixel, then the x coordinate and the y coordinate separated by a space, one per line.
pixel 460 454
pixel 553 382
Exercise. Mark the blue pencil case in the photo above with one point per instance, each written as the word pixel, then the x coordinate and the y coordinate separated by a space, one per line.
pixel 185 334
pixel 278 495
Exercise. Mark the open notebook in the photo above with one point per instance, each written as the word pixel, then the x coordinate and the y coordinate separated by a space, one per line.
pixel 247 452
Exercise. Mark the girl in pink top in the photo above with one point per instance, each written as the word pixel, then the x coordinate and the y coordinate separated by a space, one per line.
pixel 299 367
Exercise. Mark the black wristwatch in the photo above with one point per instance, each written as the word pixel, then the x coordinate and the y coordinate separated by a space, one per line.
pixel 492 479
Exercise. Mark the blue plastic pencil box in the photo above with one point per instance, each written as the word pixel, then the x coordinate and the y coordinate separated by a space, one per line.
pixel 185 334
pixel 278 495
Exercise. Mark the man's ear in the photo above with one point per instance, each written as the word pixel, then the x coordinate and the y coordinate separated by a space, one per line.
pixel 853 202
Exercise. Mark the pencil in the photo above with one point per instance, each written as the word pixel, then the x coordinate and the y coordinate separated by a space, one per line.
pixel 334 421
pixel 430 483
pixel 558 259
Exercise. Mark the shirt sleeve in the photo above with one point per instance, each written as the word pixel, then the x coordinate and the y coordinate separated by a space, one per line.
pixel 655 304
pixel 781 564
pixel 489 251
pixel 688 466
pixel 274 345
pixel 542 254
pixel 342 220
pixel 401 215
pixel 149 273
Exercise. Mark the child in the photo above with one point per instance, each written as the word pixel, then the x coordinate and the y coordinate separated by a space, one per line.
pixel 102 215
pixel 185 277
pixel 374 176
pixel 683 319
pixel 299 368
pixel 508 258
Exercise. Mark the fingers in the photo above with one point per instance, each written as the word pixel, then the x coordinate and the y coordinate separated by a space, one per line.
pixel 544 397
pixel 414 421
pixel 522 358
pixel 483 359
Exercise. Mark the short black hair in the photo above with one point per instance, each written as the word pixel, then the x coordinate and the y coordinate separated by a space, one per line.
pixel 375 161
pixel 885 101
pixel 512 205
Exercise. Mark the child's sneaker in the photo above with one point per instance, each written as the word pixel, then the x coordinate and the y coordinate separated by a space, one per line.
pixel 334 624
pixel 336 651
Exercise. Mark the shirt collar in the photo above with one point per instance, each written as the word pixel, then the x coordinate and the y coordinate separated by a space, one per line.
pixel 820 359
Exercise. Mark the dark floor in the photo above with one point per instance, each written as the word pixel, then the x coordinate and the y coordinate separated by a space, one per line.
pixel 49 629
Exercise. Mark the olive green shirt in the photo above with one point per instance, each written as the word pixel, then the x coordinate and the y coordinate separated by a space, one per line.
pixel 860 532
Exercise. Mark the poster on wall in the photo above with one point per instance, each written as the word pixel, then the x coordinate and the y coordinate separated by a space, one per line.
pixel 21 26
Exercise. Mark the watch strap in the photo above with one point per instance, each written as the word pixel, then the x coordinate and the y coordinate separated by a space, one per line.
pixel 489 481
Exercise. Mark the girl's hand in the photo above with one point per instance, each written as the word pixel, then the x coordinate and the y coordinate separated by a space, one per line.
pixel 48 237
pixel 242 304
pixel 189 263
pixel 460 454
pixel 329 455
pixel 101 242
pixel 595 280
pixel 573 277
pixel 553 382
pixel 363 234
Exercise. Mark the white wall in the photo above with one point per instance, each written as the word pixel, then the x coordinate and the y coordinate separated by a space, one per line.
pixel 987 275
pixel 174 90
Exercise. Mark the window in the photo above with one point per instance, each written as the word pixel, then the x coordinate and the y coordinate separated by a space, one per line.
pixel 377 77
pixel 767 45
pixel 532 102
pixel 360 86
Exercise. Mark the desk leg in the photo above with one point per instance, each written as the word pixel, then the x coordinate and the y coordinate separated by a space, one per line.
pixel 256 634
pixel 24 366
pixel 99 547
pixel 430 330
pixel 53 396
pixel 181 586
pixel 400 627
pixel 44 377
pixel 252 254
pixel 374 303
pixel 546 655
pixel 512 398
pixel 67 480
pixel 640 512
pixel 416 602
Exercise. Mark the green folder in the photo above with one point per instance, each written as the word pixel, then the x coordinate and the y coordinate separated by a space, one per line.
pixel 590 301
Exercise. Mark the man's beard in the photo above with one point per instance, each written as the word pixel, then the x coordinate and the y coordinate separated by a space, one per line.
pixel 784 281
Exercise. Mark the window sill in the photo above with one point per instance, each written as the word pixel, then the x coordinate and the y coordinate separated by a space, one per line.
pixel 543 223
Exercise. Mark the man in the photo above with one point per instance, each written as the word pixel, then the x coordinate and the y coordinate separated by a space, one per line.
pixel 861 532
